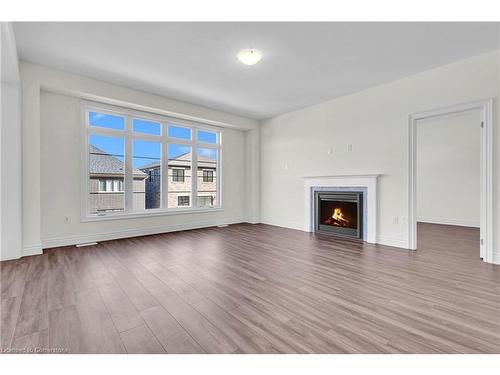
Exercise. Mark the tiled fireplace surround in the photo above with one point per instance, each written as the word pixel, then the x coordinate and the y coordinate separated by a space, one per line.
pixel 364 183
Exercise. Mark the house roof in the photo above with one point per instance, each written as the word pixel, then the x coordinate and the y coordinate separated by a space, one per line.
pixel 101 162
pixel 184 160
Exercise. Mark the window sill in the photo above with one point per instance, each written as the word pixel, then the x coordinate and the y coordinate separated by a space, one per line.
pixel 149 213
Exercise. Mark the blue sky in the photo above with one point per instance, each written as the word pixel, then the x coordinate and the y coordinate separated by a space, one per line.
pixel 146 152
pixel 106 121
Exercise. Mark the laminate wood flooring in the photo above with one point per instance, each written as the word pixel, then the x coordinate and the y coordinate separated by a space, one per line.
pixel 254 289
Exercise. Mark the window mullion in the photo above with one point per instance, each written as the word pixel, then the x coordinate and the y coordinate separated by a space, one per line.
pixel 194 176
pixel 129 179
pixel 164 174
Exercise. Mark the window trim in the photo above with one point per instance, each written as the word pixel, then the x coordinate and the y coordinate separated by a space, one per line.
pixel 129 136
pixel 184 196
pixel 176 177
pixel 112 182
pixel 209 175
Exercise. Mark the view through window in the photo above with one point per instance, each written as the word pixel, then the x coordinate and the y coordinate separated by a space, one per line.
pixel 137 164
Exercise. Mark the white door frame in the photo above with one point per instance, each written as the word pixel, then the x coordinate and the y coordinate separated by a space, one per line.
pixel 486 183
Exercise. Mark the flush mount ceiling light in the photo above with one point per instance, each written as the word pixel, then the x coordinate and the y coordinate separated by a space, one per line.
pixel 250 56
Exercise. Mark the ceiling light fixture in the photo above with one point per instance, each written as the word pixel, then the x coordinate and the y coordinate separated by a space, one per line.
pixel 250 56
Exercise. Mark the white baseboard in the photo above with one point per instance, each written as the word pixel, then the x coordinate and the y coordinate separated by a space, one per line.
pixel 399 242
pixel 445 221
pixel 289 225
pixel 32 250
pixel 382 240
pixel 97 237
pixel 496 257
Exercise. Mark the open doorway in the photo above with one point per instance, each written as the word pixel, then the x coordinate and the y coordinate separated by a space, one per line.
pixel 448 183
pixel 450 174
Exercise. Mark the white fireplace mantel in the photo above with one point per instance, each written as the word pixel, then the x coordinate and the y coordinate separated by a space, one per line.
pixel 365 181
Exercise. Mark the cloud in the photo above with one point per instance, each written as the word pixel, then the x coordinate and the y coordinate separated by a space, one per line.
pixel 210 153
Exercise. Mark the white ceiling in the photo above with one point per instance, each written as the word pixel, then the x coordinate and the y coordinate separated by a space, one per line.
pixel 303 63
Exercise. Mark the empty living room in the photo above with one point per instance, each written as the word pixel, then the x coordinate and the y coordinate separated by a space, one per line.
pixel 249 186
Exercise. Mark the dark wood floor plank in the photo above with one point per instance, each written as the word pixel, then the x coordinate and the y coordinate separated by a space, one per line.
pixel 33 312
pixel 246 340
pixel 60 292
pixel 80 268
pixel 137 293
pixel 169 332
pixel 206 288
pixel 271 330
pixel 140 340
pixel 97 327
pixel 9 309
pixel 210 338
pixel 36 342
pixel 65 330
pixel 121 309
pixel 13 274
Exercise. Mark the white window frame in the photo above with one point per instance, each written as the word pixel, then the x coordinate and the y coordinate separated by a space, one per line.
pixel 184 196
pixel 129 136
pixel 209 173
pixel 176 176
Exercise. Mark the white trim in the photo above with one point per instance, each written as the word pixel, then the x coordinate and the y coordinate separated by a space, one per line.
pixel 496 257
pixel 150 213
pixel 194 172
pixel 486 209
pixel 13 75
pixel 344 176
pixel 61 89
pixel 32 250
pixel 128 173
pixel 368 181
pixel 398 242
pixel 86 238
pixel 284 224
pixel 446 221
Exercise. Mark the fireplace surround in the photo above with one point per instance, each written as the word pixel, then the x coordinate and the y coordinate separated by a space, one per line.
pixel 339 213
pixel 366 183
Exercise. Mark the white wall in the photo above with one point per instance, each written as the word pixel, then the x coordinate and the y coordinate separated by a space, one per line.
pixel 51 160
pixel 448 169
pixel 10 148
pixel 375 122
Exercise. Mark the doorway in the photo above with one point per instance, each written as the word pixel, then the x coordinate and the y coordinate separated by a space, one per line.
pixel 453 183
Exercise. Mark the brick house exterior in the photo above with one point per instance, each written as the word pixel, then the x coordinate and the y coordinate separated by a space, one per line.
pixel 106 183
pixel 179 182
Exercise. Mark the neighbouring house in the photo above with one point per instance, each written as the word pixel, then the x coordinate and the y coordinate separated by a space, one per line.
pixel 107 191
pixel 106 187
pixel 179 182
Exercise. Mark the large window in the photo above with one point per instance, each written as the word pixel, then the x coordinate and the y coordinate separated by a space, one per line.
pixel 138 164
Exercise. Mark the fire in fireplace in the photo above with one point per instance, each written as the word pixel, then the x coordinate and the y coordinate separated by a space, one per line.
pixel 339 213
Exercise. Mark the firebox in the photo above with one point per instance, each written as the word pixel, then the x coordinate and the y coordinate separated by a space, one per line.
pixel 339 213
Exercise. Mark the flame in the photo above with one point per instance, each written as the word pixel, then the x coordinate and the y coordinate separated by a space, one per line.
pixel 338 217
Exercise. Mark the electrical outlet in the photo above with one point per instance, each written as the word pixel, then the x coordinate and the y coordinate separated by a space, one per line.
pixel 329 151
pixel 349 147
pixel 286 166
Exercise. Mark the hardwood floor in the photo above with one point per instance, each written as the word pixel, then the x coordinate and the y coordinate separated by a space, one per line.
pixel 255 289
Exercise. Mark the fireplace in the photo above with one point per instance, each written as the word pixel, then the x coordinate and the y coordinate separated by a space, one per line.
pixel 339 213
